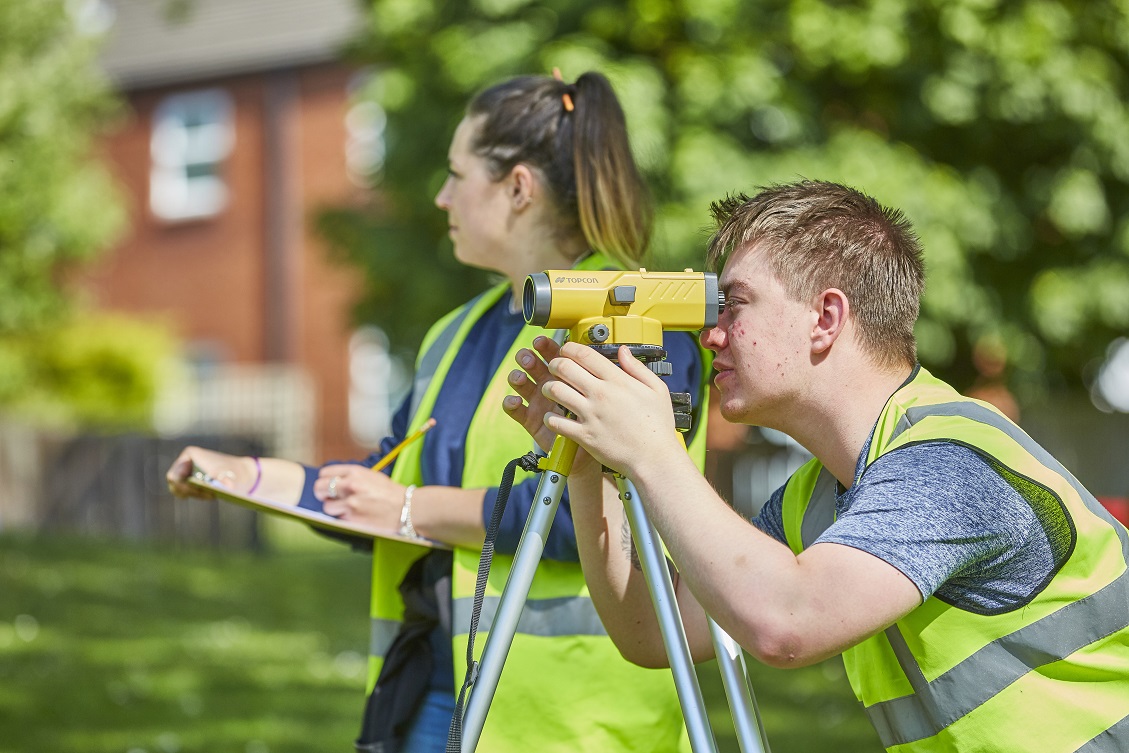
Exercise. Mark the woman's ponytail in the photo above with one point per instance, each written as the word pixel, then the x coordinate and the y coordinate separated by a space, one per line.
pixel 612 204
pixel 576 136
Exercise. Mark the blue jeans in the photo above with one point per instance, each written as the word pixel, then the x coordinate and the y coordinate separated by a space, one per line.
pixel 428 730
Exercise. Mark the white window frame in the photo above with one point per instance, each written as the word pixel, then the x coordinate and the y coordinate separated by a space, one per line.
pixel 193 134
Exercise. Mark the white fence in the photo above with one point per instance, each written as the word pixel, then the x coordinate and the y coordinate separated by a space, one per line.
pixel 113 484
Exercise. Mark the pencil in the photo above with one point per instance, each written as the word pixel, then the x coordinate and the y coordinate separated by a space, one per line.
pixel 384 461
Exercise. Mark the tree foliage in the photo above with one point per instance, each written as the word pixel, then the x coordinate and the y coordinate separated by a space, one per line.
pixel 57 203
pixel 101 370
pixel 1001 127
pixel 58 207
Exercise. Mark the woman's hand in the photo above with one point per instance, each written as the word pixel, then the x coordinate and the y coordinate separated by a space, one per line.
pixel 360 495
pixel 236 473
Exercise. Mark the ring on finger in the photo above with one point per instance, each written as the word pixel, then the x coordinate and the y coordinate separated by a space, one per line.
pixel 331 493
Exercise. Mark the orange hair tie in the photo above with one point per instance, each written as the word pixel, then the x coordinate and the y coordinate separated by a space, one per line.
pixel 565 97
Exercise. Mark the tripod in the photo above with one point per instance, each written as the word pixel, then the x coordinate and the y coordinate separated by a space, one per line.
pixel 483 676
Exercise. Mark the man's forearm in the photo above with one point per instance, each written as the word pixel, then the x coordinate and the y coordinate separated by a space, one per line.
pixel 615 579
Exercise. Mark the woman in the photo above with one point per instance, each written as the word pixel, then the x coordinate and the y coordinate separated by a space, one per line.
pixel 540 177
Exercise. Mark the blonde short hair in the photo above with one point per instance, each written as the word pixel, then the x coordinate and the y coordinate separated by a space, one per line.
pixel 821 235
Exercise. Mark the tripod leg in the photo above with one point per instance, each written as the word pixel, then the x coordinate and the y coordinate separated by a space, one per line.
pixel 655 572
pixel 742 704
pixel 501 635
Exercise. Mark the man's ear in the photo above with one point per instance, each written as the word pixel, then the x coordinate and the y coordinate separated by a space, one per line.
pixel 832 310
pixel 523 187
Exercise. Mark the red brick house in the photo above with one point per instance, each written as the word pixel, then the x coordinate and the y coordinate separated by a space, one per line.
pixel 240 126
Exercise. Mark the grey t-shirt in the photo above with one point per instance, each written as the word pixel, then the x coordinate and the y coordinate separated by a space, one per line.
pixel 952 521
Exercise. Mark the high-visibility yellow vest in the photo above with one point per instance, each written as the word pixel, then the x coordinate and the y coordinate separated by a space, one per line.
pixel 564 686
pixel 1050 675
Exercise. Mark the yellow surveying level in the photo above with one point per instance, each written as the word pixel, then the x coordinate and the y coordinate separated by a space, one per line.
pixel 619 307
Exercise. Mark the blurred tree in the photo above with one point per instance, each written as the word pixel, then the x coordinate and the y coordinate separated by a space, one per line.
pixel 58 206
pixel 1001 127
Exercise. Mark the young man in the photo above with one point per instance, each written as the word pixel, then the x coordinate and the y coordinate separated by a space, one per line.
pixel 978 593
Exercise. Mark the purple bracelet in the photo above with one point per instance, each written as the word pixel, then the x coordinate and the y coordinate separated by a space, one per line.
pixel 258 475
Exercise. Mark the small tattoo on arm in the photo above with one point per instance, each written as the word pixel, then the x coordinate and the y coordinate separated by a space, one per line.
pixel 629 546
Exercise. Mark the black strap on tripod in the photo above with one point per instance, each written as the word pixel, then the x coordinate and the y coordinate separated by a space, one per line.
pixel 528 462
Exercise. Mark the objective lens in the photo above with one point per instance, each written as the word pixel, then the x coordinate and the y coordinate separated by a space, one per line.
pixel 536 299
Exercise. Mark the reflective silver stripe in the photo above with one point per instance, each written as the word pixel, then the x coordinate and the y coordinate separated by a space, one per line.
pixel 937 704
pixel 381 634
pixel 982 415
pixel 429 363
pixel 1110 741
pixel 569 615
pixel 820 512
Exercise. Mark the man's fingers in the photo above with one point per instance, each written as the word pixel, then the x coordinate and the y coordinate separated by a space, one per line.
pixel 558 424
pixel 515 408
pixel 593 362
pixel 533 364
pixel 522 384
pixel 564 395
pixel 581 376
pixel 639 370
pixel 547 347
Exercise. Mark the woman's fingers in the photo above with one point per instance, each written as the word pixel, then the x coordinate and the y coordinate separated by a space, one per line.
pixel 209 462
pixel 333 483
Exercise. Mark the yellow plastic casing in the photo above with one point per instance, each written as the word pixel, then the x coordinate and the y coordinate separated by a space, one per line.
pixel 634 306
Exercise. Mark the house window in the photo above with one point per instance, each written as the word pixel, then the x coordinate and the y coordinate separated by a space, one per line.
pixel 192 136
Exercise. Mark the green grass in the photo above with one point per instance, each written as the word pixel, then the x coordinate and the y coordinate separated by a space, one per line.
pixel 126 648
pixel 803 710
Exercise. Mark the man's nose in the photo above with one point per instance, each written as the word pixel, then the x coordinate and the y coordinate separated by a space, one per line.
pixel 712 338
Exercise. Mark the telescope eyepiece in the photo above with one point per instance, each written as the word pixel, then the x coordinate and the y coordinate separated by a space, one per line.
pixel 713 293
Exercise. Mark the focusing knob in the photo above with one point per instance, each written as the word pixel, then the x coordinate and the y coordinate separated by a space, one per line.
pixel 662 368
pixel 598 333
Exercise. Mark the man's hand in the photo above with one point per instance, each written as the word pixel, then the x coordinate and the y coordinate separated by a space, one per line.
pixel 623 414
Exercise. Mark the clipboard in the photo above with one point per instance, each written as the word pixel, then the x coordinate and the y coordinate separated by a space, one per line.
pixel 203 481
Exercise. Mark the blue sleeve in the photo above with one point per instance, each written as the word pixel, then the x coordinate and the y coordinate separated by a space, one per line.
pixel 945 517
pixel 560 545
pixel 771 518
pixel 309 502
